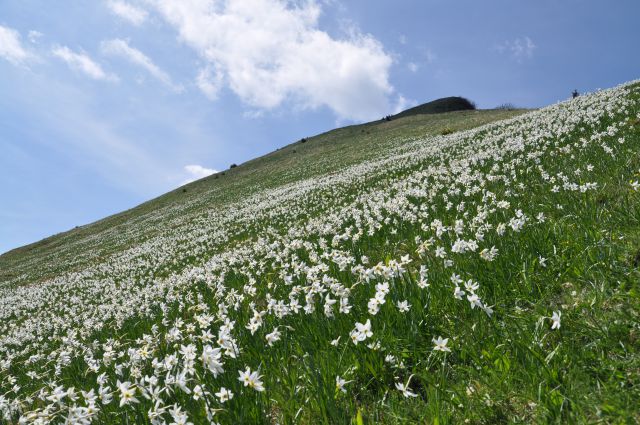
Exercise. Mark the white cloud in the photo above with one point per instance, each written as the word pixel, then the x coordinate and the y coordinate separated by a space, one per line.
pixel 119 47
pixel 197 172
pixel 128 12
pixel 34 36
pixel 10 47
pixel 413 67
pixel 210 82
pixel 83 63
pixel 271 51
pixel 402 103
pixel 519 49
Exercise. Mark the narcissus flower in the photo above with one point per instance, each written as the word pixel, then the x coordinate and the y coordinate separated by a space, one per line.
pixel 251 379
pixel 404 388
pixel 224 395
pixel 273 337
pixel 127 393
pixel 440 344
pixel 555 319
pixel 340 383
pixel 361 332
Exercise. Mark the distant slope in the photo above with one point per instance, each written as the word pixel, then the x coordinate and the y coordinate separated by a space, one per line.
pixel 439 106
pixel 318 155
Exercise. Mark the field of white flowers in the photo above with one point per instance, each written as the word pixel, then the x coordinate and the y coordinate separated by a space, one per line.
pixel 487 276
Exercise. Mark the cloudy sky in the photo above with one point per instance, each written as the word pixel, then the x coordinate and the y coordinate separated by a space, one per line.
pixel 107 103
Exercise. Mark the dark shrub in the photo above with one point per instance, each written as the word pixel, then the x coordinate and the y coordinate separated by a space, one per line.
pixel 446 104
pixel 507 106
pixel 446 131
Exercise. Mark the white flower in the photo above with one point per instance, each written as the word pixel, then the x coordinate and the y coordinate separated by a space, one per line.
pixel 390 358
pixel 345 308
pixel 188 351
pixel 474 300
pixel 375 346
pixel 198 392
pixel 181 381
pixel 441 344
pixel 340 383
pixel 127 393
pixel 328 306
pixel 373 306
pixel 224 395
pixel 57 394
pixel 251 379
pixel 365 328
pixel 155 413
pixel 422 283
pixel 273 337
pixel 101 379
pixel 471 286
pixel 361 332
pixel 404 388
pixel 489 254
pixel 105 395
pixel 382 288
pixel 253 325
pixel 555 318
pixel 458 293
pixel 211 360
pixel 179 417
pixel 403 306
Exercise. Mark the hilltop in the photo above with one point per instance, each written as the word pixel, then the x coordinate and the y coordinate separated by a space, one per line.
pixel 439 106
pixel 464 267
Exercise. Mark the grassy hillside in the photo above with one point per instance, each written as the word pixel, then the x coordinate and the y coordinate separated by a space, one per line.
pixel 387 274
pixel 319 155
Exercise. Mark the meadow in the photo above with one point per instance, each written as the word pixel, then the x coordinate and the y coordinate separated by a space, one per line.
pixel 383 273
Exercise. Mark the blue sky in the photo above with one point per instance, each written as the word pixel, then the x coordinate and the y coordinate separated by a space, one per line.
pixel 106 104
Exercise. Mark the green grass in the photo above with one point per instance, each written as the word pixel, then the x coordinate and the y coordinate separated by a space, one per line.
pixel 243 242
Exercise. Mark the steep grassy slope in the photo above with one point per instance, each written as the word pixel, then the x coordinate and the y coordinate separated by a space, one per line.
pixel 322 154
pixel 488 276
